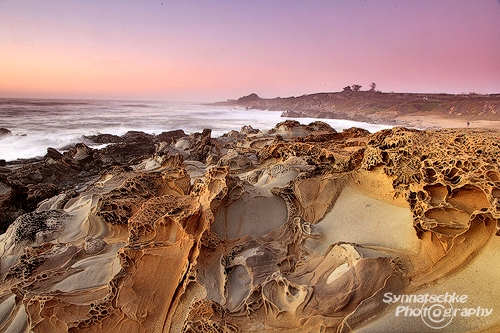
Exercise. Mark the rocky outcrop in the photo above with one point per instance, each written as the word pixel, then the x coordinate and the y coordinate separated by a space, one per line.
pixel 302 229
pixel 4 132
pixel 370 106
pixel 293 114
pixel 27 184
pixel 170 136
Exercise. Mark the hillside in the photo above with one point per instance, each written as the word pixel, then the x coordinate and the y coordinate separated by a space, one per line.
pixel 378 106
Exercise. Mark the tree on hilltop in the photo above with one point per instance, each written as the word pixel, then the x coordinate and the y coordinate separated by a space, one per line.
pixel 373 85
pixel 347 89
pixel 356 87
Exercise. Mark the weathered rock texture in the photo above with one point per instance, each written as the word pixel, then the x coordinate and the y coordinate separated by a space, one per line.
pixel 25 184
pixel 302 229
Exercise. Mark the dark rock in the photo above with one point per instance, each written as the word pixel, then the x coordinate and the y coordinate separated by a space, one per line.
pixel 32 181
pixel 53 154
pixel 81 155
pixel 3 163
pixel 4 132
pixel 37 193
pixel 27 226
pixel 200 145
pixel 170 136
pixel 8 214
pixel 103 138
pixel 124 153
pixel 35 176
pixel 137 136
pixel 11 205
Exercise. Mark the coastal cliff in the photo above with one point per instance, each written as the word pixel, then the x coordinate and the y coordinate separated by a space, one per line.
pixel 378 107
pixel 295 229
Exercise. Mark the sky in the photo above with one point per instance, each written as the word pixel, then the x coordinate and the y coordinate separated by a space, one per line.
pixel 217 50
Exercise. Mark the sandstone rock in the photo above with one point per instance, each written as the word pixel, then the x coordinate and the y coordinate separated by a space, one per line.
pixel 247 130
pixel 293 129
pixel 200 145
pixel 167 154
pixel 309 237
pixel 235 161
pixel 94 245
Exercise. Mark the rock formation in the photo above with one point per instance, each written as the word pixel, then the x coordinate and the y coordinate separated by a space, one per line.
pixel 297 229
pixel 376 106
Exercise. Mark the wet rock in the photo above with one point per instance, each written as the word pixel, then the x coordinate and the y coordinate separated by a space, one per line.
pixel 81 154
pixel 53 153
pixel 137 136
pixel 125 153
pixel 170 136
pixel 5 132
pixel 103 138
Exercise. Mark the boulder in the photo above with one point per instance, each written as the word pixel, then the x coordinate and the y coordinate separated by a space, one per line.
pixel 170 136
pixel 53 154
pixel 4 132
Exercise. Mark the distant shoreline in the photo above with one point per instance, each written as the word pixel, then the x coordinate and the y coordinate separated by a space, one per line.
pixel 416 110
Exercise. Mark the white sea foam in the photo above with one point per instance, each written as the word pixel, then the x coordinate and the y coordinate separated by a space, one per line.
pixel 39 124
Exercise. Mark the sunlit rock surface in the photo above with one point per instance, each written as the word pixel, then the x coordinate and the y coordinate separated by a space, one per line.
pixel 298 229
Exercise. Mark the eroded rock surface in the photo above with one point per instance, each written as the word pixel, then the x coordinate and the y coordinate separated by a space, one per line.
pixel 300 229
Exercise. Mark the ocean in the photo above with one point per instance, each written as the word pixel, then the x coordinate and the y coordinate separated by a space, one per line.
pixel 37 124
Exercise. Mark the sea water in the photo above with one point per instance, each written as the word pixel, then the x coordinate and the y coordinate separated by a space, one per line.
pixel 37 124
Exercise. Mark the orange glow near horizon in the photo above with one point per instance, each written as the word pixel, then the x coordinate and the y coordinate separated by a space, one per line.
pixel 196 51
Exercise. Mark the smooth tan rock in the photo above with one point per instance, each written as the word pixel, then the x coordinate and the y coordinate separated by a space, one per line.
pixel 304 233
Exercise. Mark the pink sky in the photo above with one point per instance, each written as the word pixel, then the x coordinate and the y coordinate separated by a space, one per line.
pixel 214 50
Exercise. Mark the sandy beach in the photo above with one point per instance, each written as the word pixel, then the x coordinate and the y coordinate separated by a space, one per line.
pixel 298 228
pixel 435 121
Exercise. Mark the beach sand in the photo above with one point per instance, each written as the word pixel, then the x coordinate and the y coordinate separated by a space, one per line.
pixel 299 229
pixel 437 121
